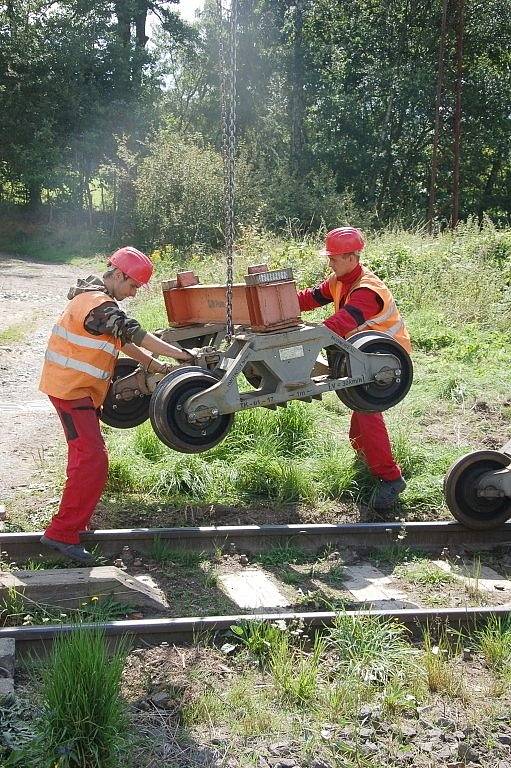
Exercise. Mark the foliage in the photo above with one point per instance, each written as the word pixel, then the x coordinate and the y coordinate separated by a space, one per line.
pixel 258 637
pixel 296 672
pixel 440 675
pixel 494 641
pixel 368 647
pixel 83 719
pixel 335 115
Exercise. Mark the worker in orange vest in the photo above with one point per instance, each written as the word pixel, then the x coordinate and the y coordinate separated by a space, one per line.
pixel 362 303
pixel 78 367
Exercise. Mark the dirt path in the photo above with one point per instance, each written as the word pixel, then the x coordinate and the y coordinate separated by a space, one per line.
pixel 31 295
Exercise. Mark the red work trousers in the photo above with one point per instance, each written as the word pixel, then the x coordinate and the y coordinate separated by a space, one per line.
pixel 370 439
pixel 87 469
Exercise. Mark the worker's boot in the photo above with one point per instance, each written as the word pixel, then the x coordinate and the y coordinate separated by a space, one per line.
pixel 73 551
pixel 387 493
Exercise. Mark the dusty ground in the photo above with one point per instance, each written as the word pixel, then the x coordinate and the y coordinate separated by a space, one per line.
pixel 31 295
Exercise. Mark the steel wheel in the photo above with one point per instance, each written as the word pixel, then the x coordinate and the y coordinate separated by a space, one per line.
pixel 167 412
pixel 123 414
pixel 375 397
pixel 460 490
pixel 338 369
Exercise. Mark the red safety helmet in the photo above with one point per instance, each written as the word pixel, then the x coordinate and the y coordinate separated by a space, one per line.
pixel 133 263
pixel 343 240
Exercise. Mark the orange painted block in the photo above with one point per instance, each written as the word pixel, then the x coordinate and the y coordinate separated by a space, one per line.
pixel 267 302
pixel 199 304
pixel 186 278
pixel 273 305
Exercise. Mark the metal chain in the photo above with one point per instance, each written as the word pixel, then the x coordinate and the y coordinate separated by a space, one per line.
pixel 228 107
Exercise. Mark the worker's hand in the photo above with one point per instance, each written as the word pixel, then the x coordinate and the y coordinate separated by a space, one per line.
pixel 187 357
pixel 203 351
pixel 155 366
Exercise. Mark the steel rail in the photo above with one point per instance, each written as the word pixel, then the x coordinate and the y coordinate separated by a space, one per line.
pixel 258 538
pixel 190 629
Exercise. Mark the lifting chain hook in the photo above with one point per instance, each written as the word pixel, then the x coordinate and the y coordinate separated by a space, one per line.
pixel 228 108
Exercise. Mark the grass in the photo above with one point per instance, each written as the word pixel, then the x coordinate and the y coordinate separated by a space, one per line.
pixel 440 674
pixel 422 571
pixel 369 648
pixel 472 584
pixel 395 554
pixel 296 672
pixel 301 454
pixel 16 609
pixel 494 642
pixel 162 553
pixel 51 243
pixel 83 719
pixel 14 333
pixel 283 555
pixel 299 457
pixel 258 637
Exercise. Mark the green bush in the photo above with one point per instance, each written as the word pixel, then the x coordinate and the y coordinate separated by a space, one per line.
pixel 180 191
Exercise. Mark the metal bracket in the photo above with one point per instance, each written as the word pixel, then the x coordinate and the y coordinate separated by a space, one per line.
pixel 286 363
pixel 495 485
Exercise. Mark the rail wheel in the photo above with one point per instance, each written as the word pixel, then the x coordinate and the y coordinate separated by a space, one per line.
pixel 338 368
pixel 461 486
pixel 378 395
pixel 123 414
pixel 167 411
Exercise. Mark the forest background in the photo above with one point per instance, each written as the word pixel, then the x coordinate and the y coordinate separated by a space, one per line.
pixel 110 119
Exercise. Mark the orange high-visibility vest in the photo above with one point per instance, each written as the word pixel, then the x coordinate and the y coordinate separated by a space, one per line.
pixel 77 363
pixel 388 320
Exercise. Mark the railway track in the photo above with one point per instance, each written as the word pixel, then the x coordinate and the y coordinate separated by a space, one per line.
pixel 257 538
pixel 253 540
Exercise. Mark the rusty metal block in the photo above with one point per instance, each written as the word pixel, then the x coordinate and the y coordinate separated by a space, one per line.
pixel 186 278
pixel 273 306
pixel 200 304
pixel 268 301
pixel 256 269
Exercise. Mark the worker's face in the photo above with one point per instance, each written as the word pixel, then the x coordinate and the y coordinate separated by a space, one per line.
pixel 343 264
pixel 124 287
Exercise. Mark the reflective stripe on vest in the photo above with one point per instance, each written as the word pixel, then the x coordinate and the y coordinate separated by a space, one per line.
pixel 77 365
pixel 394 329
pixel 392 309
pixel 83 341
pixel 389 320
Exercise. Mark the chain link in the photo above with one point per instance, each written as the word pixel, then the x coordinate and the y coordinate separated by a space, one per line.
pixel 228 29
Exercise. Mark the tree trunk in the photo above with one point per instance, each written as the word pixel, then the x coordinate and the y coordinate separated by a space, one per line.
pixel 114 205
pixel 438 105
pixel 123 14
pixel 456 150
pixel 490 182
pixel 140 26
pixel 296 97
pixel 34 192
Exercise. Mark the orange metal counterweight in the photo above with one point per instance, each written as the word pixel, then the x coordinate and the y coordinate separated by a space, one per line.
pixel 266 302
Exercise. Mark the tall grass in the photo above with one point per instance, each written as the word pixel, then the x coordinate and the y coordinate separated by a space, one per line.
pixel 296 672
pixel 83 721
pixel 370 648
pixel 440 674
pixel 494 641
